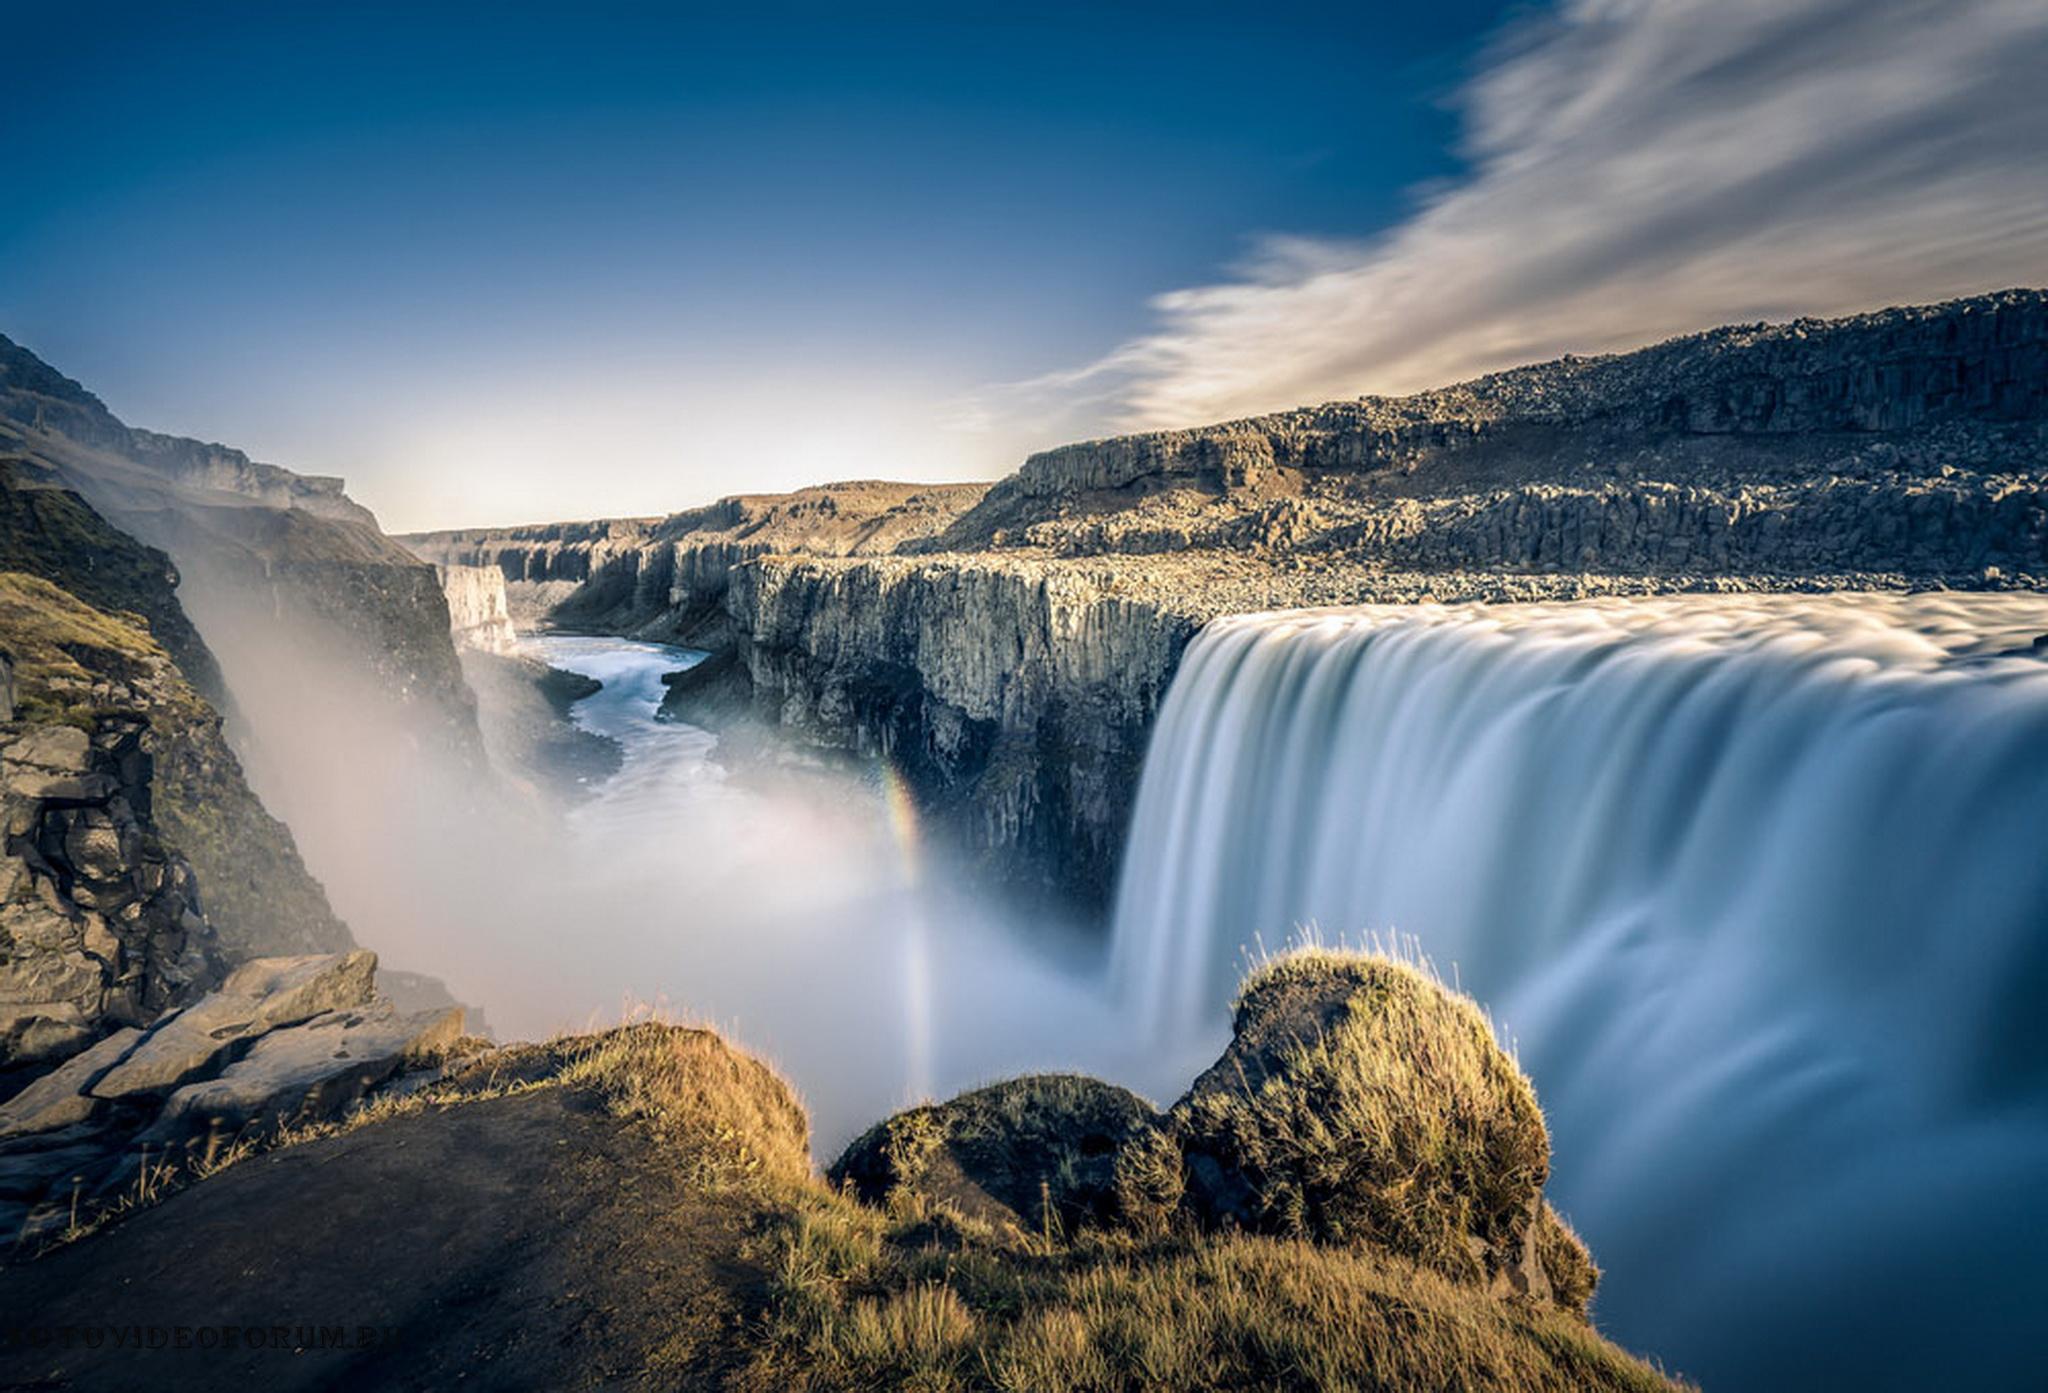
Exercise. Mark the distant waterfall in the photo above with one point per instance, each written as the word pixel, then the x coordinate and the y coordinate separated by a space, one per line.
pixel 1758 886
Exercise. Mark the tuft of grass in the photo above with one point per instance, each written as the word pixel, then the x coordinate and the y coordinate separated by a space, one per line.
pixel 727 1114
pixel 859 1301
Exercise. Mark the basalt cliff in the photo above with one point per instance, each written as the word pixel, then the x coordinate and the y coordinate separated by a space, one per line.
pixel 1007 647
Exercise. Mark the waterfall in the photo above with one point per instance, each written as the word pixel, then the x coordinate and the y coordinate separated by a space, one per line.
pixel 1756 886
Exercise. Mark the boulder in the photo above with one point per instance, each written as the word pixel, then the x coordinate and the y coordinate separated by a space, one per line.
pixel 1040 1153
pixel 307 1071
pixel 63 1096
pixel 259 996
pixel 1360 1101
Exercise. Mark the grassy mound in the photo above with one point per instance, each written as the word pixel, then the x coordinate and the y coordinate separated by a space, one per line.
pixel 1362 1102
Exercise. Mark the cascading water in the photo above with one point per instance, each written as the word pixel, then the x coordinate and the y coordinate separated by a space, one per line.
pixel 1756 885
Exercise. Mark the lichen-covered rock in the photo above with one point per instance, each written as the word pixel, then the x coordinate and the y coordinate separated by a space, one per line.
pixel 1039 1153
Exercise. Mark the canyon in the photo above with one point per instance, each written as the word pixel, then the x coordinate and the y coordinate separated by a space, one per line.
pixel 1006 647
pixel 1193 664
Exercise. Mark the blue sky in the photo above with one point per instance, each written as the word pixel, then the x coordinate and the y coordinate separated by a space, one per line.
pixel 506 263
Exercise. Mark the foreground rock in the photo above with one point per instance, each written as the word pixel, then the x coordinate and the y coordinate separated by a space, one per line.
pixel 258 997
pixel 1036 1153
pixel 282 1042
pixel 1360 1104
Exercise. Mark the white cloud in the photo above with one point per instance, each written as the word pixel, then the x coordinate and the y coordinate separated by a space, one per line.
pixel 1638 168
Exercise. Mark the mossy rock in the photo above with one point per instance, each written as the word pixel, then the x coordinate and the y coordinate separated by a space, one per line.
pixel 1046 1153
pixel 1362 1102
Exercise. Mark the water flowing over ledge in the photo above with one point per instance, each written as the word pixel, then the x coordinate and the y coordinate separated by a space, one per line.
pixel 1754 883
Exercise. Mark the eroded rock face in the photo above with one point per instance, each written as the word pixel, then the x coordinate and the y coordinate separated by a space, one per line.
pixel 666 578
pixel 100 924
pixel 283 570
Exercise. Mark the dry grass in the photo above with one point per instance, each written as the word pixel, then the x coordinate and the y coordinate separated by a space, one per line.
pixel 918 1294
pixel 1394 1157
pixel 61 644
pixel 725 1114
pixel 862 1300
pixel 1364 1102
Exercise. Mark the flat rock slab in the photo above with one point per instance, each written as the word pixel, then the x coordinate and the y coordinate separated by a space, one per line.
pixel 62 1096
pixel 259 996
pixel 308 1071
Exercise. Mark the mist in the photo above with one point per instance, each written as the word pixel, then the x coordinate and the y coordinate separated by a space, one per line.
pixel 800 909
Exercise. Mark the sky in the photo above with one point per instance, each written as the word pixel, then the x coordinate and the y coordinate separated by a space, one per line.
pixel 514 263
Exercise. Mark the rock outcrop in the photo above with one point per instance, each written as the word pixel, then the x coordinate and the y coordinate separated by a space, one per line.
pixel 477 616
pixel 99 922
pixel 1360 1104
pixel 1039 1154
pixel 281 1042
pixel 120 800
pixel 109 636
pixel 285 566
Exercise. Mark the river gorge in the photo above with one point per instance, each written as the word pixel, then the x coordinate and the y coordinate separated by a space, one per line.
pixel 1747 881
pixel 1660 740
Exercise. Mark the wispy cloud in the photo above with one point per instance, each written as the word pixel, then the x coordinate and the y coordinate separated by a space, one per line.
pixel 1637 168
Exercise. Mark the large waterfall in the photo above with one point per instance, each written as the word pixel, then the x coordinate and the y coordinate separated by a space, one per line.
pixel 1757 887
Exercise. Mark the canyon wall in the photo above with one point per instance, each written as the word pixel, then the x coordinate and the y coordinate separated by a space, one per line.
pixel 1008 651
pixel 107 645
pixel 276 566
pixel 666 578
pixel 477 613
